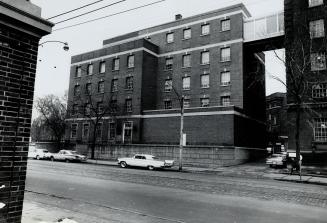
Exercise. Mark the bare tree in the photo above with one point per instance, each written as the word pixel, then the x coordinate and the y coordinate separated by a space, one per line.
pixel 53 112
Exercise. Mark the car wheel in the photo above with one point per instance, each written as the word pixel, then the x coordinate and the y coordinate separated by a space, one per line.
pixel 123 164
pixel 37 157
pixel 150 167
pixel 52 158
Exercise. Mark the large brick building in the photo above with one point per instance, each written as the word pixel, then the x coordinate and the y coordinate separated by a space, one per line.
pixel 145 73
pixel 21 28
pixel 305 25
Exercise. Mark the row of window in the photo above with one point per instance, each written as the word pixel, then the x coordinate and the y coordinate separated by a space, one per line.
pixel 225 56
pixel 129 85
pixel 102 66
pixel 205 30
pixel 127 131
pixel 100 108
pixel 204 102
pixel 204 81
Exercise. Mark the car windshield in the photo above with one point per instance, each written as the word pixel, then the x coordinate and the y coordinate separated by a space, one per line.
pixel 72 152
pixel 276 155
pixel 45 151
pixel 155 158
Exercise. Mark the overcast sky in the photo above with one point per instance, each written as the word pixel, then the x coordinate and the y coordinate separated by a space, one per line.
pixel 54 63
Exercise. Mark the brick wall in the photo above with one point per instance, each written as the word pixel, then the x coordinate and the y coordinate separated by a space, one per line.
pixel 197 156
pixel 18 53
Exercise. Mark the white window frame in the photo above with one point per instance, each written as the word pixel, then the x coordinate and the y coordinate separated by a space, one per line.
pixel 225 75
pixel 88 88
pixel 168 85
pixel 205 29
pixel 187 33
pixel 77 89
pixel 90 69
pixel 129 83
pixel 130 61
pixel 170 37
pixel 205 85
pixel 114 85
pixel 166 107
pixel 205 57
pixel 225 25
pixel 317 28
pixel 110 130
pixel 116 64
pixel 315 64
pixel 88 134
pixel 186 82
pixel 169 63
pixel 225 54
pixel 320 130
pixel 204 102
pixel 78 72
pixel 225 103
pixel 128 105
pixel 101 87
pixel 319 90
pixel 102 67
pixel 186 60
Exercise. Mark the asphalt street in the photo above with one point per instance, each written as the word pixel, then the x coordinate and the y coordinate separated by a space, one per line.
pixel 95 193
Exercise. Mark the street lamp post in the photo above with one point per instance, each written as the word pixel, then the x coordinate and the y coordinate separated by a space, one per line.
pixel 181 139
pixel 65 47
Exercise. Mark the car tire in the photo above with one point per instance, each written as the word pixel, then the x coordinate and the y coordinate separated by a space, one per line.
pixel 123 164
pixel 52 158
pixel 37 157
pixel 150 167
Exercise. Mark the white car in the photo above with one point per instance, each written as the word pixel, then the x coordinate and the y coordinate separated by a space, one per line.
pixel 39 154
pixel 144 160
pixel 277 159
pixel 68 156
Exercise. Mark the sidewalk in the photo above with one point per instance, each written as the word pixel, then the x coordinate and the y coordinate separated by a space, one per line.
pixel 310 174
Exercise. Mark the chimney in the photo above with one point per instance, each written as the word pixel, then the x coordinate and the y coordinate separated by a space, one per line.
pixel 178 17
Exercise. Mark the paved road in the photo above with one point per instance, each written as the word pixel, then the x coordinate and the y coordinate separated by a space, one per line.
pixel 94 193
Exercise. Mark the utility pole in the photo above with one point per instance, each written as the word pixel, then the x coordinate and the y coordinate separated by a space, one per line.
pixel 181 141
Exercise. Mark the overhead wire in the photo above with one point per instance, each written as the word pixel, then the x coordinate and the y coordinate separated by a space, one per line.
pixel 110 15
pixel 73 10
pixel 74 17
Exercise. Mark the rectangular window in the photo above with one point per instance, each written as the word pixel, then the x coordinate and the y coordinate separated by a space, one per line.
pixel 318 61
pixel 112 130
pixel 115 64
pixel 320 129
pixel 169 63
pixel 205 57
pixel 205 29
pixel 168 104
pixel 317 28
pixel 88 88
pixel 187 33
pixel 86 131
pixel 114 85
pixel 313 3
pixel 113 105
pixel 128 105
pixel 102 67
pixel 170 37
pixel 100 108
pixel 78 72
pixel 225 54
pixel 205 81
pixel 87 109
pixel 101 87
pixel 186 83
pixel 225 100
pixel 319 90
pixel 168 85
pixel 130 61
pixel 98 133
pixel 129 83
pixel 128 132
pixel 186 60
pixel 90 69
pixel 225 25
pixel 73 133
pixel 225 78
pixel 77 90
pixel 186 103
pixel 204 102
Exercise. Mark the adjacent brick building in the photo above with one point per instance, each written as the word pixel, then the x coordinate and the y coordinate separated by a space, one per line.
pixel 144 74
pixel 305 24
pixel 21 27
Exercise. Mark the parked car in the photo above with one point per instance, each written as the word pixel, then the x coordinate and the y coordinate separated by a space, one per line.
pixel 68 156
pixel 143 160
pixel 277 159
pixel 39 154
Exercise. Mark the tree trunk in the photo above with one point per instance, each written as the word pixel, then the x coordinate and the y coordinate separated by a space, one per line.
pixel 297 137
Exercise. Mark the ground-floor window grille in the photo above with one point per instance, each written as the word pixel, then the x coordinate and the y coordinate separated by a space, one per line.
pixel 320 129
pixel 128 132
pixel 112 130
pixel 319 90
